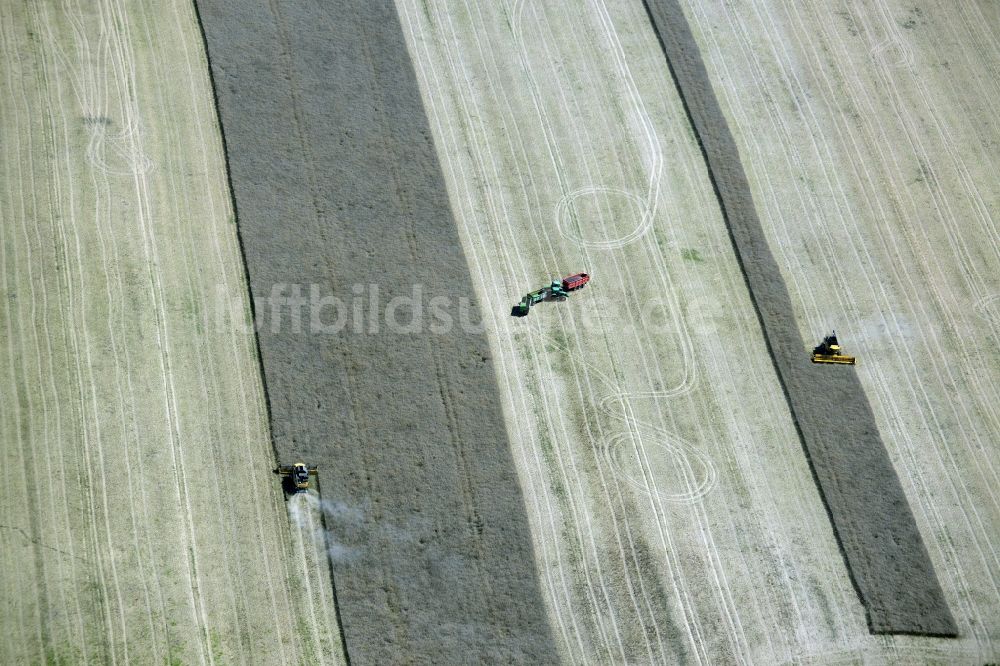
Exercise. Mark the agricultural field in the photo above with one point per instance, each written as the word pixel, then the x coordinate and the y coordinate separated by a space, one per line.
pixel 655 504
pixel 339 193
pixel 139 521
pixel 674 515
pixel 879 135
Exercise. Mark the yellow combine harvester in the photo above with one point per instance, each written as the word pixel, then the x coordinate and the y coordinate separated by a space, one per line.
pixel 828 351
pixel 295 477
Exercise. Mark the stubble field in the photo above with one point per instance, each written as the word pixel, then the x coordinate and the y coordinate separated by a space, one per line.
pixel 671 508
pixel 139 521
pixel 673 511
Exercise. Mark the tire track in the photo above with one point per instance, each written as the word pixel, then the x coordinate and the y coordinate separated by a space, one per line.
pixel 832 177
pixel 655 169
pixel 945 450
pixel 914 300
pixel 937 353
pixel 889 603
pixel 723 588
pixel 501 215
pixel 66 238
pixel 81 212
pixel 20 131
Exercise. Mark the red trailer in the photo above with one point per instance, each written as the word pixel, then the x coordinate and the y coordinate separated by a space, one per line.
pixel 574 282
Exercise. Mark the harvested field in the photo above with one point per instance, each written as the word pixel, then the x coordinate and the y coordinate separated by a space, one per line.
pixel 674 513
pixel 139 522
pixel 339 192
pixel 878 135
pixel 875 528
pixel 617 478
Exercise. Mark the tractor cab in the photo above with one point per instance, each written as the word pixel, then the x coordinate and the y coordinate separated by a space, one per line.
pixel 300 476
pixel 295 478
pixel 556 291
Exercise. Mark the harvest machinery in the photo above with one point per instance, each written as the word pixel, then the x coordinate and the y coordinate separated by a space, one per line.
pixel 557 291
pixel 295 477
pixel 828 351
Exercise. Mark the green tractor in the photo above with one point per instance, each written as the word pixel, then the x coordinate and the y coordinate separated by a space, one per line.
pixel 557 291
pixel 533 298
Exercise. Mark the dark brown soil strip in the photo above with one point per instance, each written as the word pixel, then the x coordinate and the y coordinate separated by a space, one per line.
pixel 336 184
pixel 873 523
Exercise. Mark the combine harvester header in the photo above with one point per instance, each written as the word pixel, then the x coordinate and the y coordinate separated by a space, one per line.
pixel 828 351
pixel 557 291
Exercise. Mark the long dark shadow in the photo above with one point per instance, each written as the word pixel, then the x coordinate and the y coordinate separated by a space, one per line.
pixel 341 199
pixel 872 521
